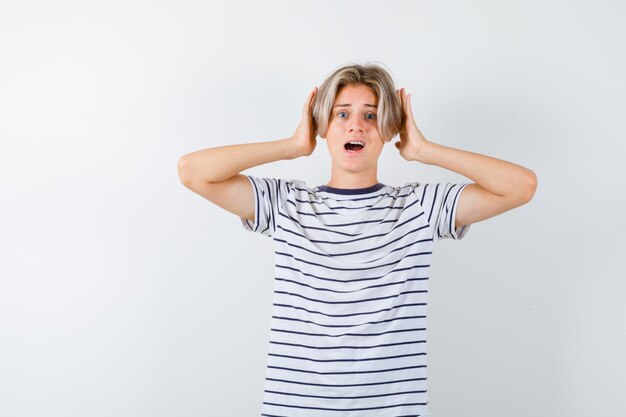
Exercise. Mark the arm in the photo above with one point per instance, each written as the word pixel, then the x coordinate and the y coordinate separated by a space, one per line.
pixel 499 185
pixel 214 173
pixel 222 162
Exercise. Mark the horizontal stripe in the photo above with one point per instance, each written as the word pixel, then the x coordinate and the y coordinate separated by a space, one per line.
pixel 345 397
pixel 348 314
pixel 344 409
pixel 386 284
pixel 395 381
pixel 350 347
pixel 348 326
pixel 347 372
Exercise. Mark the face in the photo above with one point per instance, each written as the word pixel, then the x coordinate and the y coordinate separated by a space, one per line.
pixel 354 118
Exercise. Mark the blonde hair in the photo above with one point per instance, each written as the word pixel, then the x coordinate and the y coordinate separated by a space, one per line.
pixel 378 79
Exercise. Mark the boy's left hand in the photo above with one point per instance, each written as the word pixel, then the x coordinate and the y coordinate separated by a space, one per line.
pixel 411 139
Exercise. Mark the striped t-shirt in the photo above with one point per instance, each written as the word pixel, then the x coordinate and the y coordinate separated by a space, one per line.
pixel 348 328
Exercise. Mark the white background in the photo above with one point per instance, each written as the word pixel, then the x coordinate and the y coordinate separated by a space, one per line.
pixel 122 293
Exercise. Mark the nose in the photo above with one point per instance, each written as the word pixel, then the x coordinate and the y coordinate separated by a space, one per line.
pixel 356 125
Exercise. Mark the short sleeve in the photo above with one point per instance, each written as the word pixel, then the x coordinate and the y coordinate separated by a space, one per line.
pixel 270 195
pixel 439 202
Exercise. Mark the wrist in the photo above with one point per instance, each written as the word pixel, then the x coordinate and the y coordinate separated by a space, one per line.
pixel 295 149
pixel 424 152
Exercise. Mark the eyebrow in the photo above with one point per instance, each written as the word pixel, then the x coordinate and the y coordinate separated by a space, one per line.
pixel 350 105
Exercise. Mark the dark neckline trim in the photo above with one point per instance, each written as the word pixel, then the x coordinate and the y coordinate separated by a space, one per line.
pixel 351 191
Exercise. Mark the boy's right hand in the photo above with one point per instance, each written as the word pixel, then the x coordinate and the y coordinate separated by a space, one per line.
pixel 305 137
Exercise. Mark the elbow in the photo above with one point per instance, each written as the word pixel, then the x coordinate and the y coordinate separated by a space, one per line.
pixel 530 187
pixel 183 170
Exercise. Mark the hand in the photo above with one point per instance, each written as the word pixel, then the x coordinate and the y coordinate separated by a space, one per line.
pixel 411 139
pixel 305 137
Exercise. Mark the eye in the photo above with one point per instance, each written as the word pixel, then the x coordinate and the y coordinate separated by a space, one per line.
pixel 366 116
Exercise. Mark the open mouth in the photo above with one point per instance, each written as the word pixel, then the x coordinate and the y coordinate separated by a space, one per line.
pixel 354 146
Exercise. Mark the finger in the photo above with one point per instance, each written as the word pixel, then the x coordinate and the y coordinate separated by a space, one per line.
pixel 409 106
pixel 311 95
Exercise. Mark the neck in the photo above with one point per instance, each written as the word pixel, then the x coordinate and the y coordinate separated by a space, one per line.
pixel 350 180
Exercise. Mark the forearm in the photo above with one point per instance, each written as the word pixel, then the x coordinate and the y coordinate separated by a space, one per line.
pixel 222 162
pixel 495 175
